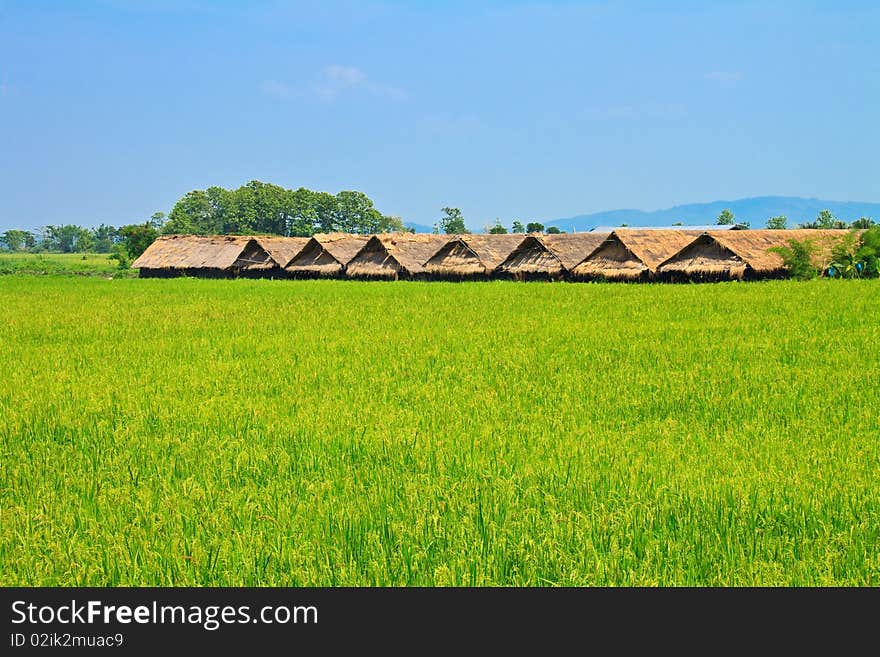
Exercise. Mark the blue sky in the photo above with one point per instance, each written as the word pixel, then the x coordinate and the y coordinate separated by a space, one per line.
pixel 112 110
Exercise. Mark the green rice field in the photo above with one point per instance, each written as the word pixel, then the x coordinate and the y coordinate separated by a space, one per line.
pixel 299 433
pixel 69 264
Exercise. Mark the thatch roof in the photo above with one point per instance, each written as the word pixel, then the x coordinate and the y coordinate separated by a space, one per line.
pixel 532 258
pixel 472 255
pixel 630 254
pixel 390 255
pixel 572 248
pixel 193 252
pixel 326 254
pixel 282 249
pixel 705 256
pixel 752 245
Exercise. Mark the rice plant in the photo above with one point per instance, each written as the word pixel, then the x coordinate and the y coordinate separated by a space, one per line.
pixel 254 432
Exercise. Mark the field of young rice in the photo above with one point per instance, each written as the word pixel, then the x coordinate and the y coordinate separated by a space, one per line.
pixel 250 432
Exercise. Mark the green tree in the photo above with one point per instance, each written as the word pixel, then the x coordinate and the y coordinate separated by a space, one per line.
pixel 726 218
pixel 136 238
pixel 825 220
pixel 355 214
pixel 16 240
pixel 863 222
pixel 517 227
pixel 392 224
pixel 105 237
pixel 777 223
pixel 191 215
pixel 497 228
pixel 534 227
pixel 452 223
pixel 69 238
pixel 797 257
pixel 554 230
pixel 157 220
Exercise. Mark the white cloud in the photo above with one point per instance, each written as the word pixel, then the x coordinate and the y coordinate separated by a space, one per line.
pixel 332 82
pixel 724 76
pixel 276 89
pixel 336 79
pixel 344 76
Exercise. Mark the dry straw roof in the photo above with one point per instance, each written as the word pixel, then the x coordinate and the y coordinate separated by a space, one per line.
pixel 390 254
pixel 282 249
pixel 532 257
pixel 192 252
pixel 572 248
pixel 752 245
pixel 628 254
pixel 705 256
pixel 327 253
pixel 467 255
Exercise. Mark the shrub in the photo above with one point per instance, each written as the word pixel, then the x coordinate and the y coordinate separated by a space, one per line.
pixel 798 258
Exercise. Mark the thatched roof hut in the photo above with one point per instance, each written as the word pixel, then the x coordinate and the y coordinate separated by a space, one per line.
pixel 572 248
pixel 395 255
pixel 704 259
pixel 723 254
pixel 632 254
pixel 752 246
pixel 532 259
pixel 201 255
pixel 282 249
pixel 326 254
pixel 471 256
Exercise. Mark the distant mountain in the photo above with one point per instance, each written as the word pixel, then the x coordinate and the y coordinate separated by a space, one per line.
pixel 419 228
pixel 755 210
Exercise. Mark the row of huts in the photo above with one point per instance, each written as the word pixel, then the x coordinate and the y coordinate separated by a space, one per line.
pixel 623 254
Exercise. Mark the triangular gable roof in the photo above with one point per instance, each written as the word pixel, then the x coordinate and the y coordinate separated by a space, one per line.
pixel 472 254
pixel 282 249
pixel 192 252
pixel 532 256
pixel 388 253
pixel 328 251
pixel 752 245
pixel 572 248
pixel 632 253
pixel 704 255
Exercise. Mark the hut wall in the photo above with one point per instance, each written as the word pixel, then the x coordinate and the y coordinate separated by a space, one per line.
pixel 611 261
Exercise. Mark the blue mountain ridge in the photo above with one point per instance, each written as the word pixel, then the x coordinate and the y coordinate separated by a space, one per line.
pixel 755 210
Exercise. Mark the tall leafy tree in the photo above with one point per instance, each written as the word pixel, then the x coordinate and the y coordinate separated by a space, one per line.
pixel 726 218
pixel 497 228
pixel 16 240
pixel 105 237
pixel 777 223
pixel 68 238
pixel 517 227
pixel 452 222
pixel 193 214
pixel 136 238
pixel 534 227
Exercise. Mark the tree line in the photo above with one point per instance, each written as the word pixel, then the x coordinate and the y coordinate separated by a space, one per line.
pixel 256 208
pixel 268 209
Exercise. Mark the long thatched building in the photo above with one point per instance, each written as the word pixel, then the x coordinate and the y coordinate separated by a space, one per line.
pixel 548 257
pixel 471 256
pixel 531 260
pixel 395 255
pixel 631 255
pixel 325 255
pixel 207 256
pixel 282 250
pixel 719 255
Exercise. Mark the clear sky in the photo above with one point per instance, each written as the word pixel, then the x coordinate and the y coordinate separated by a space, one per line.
pixel 112 110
